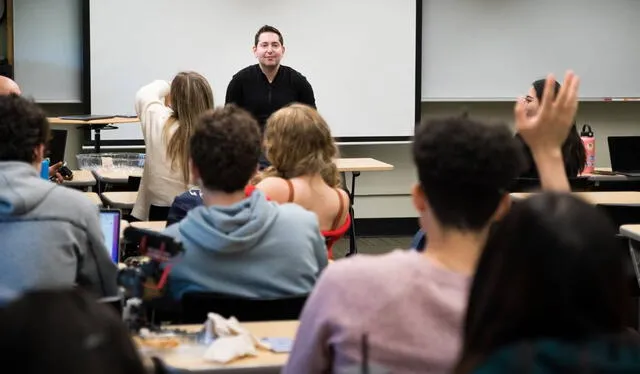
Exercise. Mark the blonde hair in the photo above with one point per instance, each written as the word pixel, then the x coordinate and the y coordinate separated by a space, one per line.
pixel 298 142
pixel 190 96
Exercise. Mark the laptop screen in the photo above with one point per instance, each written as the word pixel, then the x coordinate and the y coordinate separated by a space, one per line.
pixel 57 145
pixel 110 224
pixel 624 154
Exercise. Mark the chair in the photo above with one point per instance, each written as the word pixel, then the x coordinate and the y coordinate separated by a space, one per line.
pixel 158 213
pixel 133 183
pixel 196 305
pixel 419 241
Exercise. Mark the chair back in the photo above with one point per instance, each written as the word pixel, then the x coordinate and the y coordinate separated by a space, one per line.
pixel 196 305
pixel 158 213
pixel 133 183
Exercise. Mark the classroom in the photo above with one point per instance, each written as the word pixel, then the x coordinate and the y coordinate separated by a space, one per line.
pixel 236 177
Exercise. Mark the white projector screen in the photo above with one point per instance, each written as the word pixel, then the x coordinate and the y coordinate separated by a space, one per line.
pixel 359 55
pixel 493 49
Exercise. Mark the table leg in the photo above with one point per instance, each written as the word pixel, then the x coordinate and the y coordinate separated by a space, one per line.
pixel 353 246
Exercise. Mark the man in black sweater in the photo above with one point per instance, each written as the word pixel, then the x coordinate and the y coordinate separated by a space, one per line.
pixel 267 86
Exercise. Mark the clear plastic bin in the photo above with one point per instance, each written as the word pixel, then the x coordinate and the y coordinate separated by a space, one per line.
pixel 130 162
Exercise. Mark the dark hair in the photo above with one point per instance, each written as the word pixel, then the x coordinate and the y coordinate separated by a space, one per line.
pixel 267 28
pixel 225 148
pixel 573 152
pixel 551 269
pixel 23 127
pixel 464 167
pixel 65 332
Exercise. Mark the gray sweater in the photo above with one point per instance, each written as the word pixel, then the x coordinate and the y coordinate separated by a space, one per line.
pixel 50 236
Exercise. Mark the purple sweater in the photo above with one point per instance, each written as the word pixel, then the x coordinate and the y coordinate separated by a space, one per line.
pixel 411 308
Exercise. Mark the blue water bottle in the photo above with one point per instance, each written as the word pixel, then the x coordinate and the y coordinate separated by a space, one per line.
pixel 44 169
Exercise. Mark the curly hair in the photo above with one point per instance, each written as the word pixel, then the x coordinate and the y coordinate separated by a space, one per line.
pixel 225 147
pixel 465 167
pixel 23 127
pixel 298 142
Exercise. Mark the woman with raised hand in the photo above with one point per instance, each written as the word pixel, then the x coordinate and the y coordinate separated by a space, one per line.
pixel 168 113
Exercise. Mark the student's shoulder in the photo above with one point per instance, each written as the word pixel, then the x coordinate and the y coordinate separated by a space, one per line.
pixel 293 73
pixel 359 267
pixel 72 199
pixel 295 215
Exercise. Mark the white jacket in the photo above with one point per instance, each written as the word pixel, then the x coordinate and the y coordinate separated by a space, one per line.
pixel 160 184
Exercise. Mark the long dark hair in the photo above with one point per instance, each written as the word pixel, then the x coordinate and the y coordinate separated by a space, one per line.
pixel 66 331
pixel 551 269
pixel 573 152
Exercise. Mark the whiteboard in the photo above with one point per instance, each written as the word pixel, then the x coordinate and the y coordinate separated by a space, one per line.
pixel 359 55
pixel 48 49
pixel 494 49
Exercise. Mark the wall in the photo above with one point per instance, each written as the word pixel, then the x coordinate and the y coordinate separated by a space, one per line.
pixel 386 194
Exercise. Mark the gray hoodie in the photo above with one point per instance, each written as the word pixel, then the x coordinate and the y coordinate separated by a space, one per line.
pixel 50 236
pixel 254 248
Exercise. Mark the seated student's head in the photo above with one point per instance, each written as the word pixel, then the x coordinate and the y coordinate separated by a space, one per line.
pixel 573 151
pixel 8 87
pixel 65 332
pixel 298 142
pixel 190 96
pixel 552 269
pixel 464 167
pixel 225 149
pixel 24 130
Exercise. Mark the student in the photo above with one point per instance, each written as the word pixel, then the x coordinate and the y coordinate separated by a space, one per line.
pixel 8 87
pixel 268 86
pixel 51 236
pixel 550 294
pixel 411 304
pixel 299 145
pixel 573 152
pixel 66 332
pixel 168 114
pixel 236 244
pixel 182 204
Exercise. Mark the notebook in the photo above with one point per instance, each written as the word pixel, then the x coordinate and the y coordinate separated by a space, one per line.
pixel 110 224
pixel 624 154
pixel 86 117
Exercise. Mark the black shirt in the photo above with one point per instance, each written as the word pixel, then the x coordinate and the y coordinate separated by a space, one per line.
pixel 250 89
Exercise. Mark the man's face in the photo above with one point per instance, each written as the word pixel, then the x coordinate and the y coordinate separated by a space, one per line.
pixel 269 50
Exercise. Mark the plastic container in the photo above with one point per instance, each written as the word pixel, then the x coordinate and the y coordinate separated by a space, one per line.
pixel 589 141
pixel 131 162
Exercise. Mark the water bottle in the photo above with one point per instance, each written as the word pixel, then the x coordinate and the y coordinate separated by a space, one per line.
pixel 44 169
pixel 589 141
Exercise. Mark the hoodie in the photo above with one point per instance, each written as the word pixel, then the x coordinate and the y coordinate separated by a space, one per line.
pixel 608 355
pixel 51 236
pixel 254 248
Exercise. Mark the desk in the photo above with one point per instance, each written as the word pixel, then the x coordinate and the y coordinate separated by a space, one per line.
pixel 355 166
pixel 264 362
pixel 629 198
pixel 607 175
pixel 81 178
pixel 96 125
pixel 94 198
pixel 116 176
pixel 150 225
pixel 120 200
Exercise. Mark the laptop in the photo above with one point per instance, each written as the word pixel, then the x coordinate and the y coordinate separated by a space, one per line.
pixel 110 224
pixel 57 145
pixel 624 152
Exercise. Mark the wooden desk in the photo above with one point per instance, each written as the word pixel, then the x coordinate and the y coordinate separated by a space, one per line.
pixel 631 232
pixel 150 225
pixel 120 200
pixel 191 358
pixel 355 166
pixel 81 178
pixel 630 198
pixel 361 164
pixel 116 176
pixel 96 125
pixel 94 198
pixel 607 175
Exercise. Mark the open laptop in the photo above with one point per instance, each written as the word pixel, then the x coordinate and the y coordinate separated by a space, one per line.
pixel 110 224
pixel 624 152
pixel 57 146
